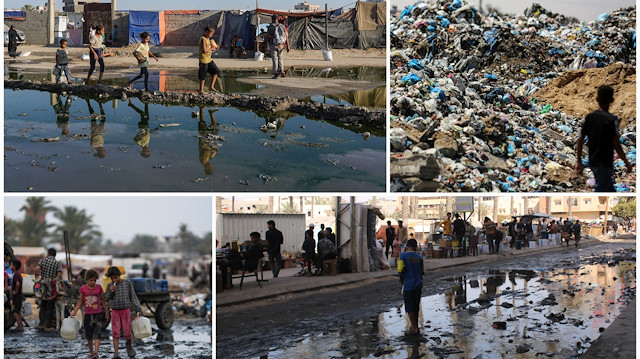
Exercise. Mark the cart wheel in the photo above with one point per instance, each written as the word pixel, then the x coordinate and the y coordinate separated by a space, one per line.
pixel 9 319
pixel 164 315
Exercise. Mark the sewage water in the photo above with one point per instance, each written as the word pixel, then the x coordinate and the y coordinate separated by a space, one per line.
pixel 67 143
pixel 188 338
pixel 547 313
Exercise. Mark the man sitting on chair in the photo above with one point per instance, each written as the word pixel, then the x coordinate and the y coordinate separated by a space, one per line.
pixel 254 253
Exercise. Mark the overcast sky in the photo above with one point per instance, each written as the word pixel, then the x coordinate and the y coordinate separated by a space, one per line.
pixel 121 218
pixel 585 10
pixel 194 4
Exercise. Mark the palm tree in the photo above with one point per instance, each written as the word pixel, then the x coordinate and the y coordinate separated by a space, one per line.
pixel 261 208
pixel 289 208
pixel 37 207
pixel 79 226
pixel 10 231
pixel 31 232
pixel 27 7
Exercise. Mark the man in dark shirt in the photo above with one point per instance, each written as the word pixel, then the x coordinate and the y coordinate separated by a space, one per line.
pixel 459 230
pixel 275 239
pixel 309 247
pixel 254 253
pixel 601 130
pixel 390 233
pixel 577 232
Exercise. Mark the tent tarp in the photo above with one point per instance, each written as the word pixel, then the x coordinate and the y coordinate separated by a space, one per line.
pixel 237 24
pixel 15 15
pixel 149 21
pixel 309 34
pixel 370 15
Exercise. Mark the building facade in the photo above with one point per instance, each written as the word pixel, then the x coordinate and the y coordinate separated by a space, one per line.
pixel 76 6
pixel 305 6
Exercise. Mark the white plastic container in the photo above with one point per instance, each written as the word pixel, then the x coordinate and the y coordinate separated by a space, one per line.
pixel 327 55
pixel 258 56
pixel 70 328
pixel 141 327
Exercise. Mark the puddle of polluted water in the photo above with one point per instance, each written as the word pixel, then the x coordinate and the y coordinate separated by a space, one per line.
pixel 459 322
pixel 188 339
pixel 374 98
pixel 117 146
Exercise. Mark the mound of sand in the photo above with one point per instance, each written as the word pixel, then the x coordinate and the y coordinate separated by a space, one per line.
pixel 575 91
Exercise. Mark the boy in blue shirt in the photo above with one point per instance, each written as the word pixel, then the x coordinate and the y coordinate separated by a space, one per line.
pixel 411 270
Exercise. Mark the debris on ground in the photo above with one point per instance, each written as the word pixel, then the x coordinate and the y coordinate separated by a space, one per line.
pixel 495 103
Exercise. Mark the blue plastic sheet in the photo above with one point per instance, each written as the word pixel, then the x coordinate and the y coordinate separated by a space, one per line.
pixel 144 21
pixel 491 77
pixel 491 37
pixel 455 5
pixel 415 64
pixel 603 17
pixel 411 78
pixel 407 11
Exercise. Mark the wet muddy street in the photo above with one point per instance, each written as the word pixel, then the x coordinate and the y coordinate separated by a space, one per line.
pixel 552 304
pixel 188 338
pixel 68 143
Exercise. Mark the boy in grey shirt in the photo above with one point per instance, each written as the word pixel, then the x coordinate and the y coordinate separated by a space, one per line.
pixel 62 62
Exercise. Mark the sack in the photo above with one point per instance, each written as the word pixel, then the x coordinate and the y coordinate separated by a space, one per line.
pixel 56 70
pixel 565 235
pixel 279 35
pixel 26 309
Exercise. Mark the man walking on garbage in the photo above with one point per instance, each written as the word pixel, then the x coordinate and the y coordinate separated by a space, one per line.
pixel 601 129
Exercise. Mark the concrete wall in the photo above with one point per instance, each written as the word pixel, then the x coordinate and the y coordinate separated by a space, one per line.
pixel 122 20
pixel 34 27
pixel 185 30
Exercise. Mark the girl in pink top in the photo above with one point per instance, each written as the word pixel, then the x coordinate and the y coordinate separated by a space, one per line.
pixel 91 296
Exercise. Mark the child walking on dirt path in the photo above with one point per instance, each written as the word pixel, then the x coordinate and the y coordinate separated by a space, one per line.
pixel 62 62
pixel 16 292
pixel 411 270
pixel 93 300
pixel 206 45
pixel 95 53
pixel 122 297
pixel 142 54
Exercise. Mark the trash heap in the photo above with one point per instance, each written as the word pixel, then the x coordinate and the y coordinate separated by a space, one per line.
pixel 464 111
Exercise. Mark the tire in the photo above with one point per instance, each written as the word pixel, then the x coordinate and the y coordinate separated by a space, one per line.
pixel 9 319
pixel 164 315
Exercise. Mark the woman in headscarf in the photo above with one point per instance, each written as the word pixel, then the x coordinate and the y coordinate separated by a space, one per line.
pixel 13 41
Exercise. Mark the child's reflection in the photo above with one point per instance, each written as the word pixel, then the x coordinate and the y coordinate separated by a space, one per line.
pixel 207 148
pixel 97 130
pixel 61 108
pixel 143 135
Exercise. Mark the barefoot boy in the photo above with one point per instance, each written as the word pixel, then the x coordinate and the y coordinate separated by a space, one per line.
pixel 411 270
pixel 206 65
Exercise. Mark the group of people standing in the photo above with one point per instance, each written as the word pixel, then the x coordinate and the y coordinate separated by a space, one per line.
pixel 395 240
pixel 326 247
pixel 119 294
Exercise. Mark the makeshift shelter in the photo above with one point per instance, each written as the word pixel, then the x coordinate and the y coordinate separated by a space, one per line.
pixel 147 21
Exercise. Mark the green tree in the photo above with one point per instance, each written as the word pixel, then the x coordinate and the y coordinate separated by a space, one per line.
pixel 79 226
pixel 626 210
pixel 287 208
pixel 37 207
pixel 142 243
pixel 188 242
pixel 27 7
pixel 206 244
pixel 31 232
pixel 10 231
pixel 261 208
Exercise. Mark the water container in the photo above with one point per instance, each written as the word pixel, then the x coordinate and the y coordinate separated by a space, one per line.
pixel 141 327
pixel 69 328
pixel 152 285
pixel 327 55
pixel 165 285
pixel 142 285
pixel 258 56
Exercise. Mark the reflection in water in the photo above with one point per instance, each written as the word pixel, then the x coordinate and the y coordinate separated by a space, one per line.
pixel 250 155
pixel 374 98
pixel 460 321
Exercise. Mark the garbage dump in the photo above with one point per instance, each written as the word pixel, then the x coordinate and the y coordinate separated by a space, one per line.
pixel 496 103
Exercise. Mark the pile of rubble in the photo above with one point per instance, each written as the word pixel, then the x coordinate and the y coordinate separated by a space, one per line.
pixel 465 110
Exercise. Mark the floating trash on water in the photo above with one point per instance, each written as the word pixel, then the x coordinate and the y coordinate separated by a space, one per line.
pixel 49 139
pixel 266 178
pixel 198 180
pixel 243 182
pixel 23 114
pixel 162 166
pixel 169 124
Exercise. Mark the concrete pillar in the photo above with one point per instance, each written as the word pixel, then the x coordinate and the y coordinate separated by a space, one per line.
pixel 113 14
pixel 52 21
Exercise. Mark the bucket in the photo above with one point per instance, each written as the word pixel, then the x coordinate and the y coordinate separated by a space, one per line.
pixel 258 56
pixel 327 55
pixel 69 328
pixel 141 327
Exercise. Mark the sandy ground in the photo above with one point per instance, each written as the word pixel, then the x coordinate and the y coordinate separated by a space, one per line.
pixel 182 59
pixel 43 57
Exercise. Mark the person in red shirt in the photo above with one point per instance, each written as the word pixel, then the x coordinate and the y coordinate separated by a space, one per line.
pixel 93 300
